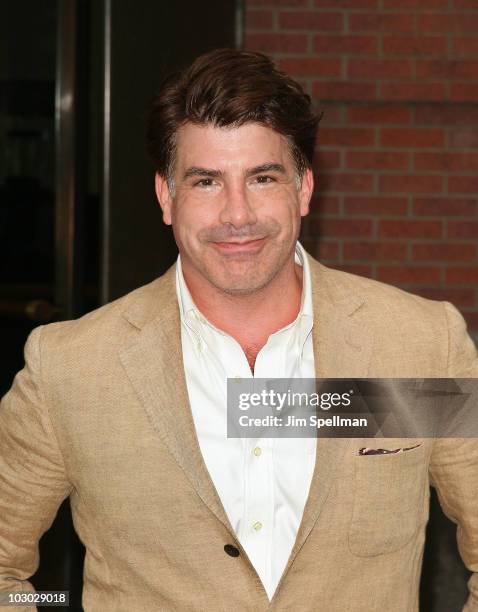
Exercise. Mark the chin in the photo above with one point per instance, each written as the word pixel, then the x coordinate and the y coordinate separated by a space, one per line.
pixel 243 275
pixel 242 284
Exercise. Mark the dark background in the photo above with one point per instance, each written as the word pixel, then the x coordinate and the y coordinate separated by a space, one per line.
pixel 79 224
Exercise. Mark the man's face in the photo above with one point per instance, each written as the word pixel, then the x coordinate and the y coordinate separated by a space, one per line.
pixel 236 205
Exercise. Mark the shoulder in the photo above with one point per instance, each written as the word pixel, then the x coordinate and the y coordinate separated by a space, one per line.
pixel 110 323
pixel 404 326
pixel 376 297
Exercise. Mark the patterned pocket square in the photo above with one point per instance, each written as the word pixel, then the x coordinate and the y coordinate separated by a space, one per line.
pixel 384 451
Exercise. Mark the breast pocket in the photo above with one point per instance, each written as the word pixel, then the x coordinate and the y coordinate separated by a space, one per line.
pixel 389 501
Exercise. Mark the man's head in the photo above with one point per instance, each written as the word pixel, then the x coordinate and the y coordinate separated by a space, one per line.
pixel 232 140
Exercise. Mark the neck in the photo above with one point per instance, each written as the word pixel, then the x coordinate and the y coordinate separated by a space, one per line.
pixel 252 318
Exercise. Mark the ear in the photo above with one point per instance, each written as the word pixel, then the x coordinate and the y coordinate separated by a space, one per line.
pixel 306 191
pixel 164 197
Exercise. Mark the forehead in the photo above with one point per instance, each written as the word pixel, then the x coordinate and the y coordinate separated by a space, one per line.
pixel 248 145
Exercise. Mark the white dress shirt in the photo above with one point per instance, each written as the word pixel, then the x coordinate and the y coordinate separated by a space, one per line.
pixel 263 483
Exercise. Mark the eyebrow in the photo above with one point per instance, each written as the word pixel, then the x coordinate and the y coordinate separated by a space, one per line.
pixel 266 168
pixel 209 172
pixel 196 171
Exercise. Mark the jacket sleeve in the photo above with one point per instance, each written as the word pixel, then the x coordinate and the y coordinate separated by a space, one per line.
pixel 454 462
pixel 32 475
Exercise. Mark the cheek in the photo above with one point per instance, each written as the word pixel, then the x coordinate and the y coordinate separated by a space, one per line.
pixel 286 210
pixel 190 217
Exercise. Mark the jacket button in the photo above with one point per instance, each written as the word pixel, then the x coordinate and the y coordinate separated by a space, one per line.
pixel 231 550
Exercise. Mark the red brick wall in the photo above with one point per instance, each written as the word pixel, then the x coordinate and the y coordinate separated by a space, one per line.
pixel 397 158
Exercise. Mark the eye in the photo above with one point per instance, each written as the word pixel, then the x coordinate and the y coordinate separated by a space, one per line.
pixel 264 180
pixel 205 182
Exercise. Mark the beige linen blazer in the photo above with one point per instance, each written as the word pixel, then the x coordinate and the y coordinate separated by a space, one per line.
pixel 100 413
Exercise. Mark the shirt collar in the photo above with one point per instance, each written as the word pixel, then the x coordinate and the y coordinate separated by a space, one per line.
pixel 306 301
pixel 191 315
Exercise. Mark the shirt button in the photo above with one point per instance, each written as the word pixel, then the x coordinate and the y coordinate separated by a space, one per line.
pixel 257 451
pixel 231 550
pixel 257 526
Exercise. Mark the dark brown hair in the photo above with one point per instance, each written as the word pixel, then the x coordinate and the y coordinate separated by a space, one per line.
pixel 227 87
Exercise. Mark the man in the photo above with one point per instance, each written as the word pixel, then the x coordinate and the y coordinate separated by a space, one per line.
pixel 123 410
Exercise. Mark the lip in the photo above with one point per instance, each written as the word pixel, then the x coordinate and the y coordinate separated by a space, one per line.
pixel 245 246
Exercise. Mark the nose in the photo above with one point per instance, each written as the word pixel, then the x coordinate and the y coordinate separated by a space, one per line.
pixel 237 209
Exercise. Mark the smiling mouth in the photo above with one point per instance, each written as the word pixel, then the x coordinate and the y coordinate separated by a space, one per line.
pixel 240 246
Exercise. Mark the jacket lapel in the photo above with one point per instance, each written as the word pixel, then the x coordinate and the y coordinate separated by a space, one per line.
pixel 343 343
pixel 342 333
pixel 154 365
